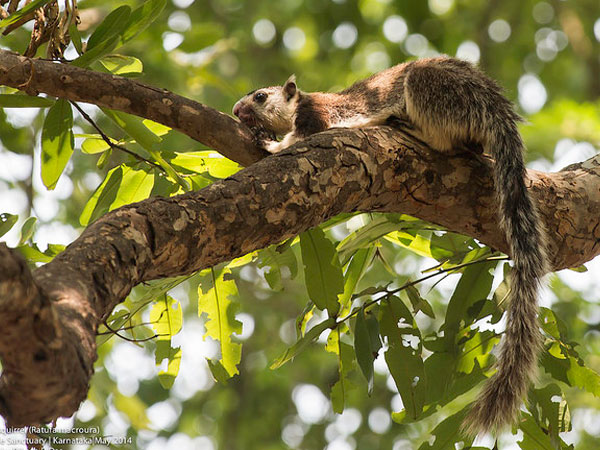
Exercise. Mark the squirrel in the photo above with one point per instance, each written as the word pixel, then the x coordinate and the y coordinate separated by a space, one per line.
pixel 451 104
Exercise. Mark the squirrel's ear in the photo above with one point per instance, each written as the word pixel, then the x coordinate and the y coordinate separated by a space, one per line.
pixel 290 87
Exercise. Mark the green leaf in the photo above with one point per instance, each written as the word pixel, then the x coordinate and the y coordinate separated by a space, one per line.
pixel 104 158
pixel 33 254
pixel 301 343
pixel 302 320
pixel 360 262
pixel 553 415
pixel 476 350
pixel 16 16
pixel 24 101
pixel 122 65
pixel 142 17
pixel 584 377
pixel 57 142
pixel 27 230
pixel 215 300
pixel 166 317
pixel 115 321
pixel 276 259
pixel 552 325
pixel 217 370
pixel 569 368
pixel 345 353
pixel 135 127
pixel 373 231
pixel 447 434
pixel 167 377
pixel 150 290
pixel 98 51
pixel 220 167
pixel 112 25
pixel 91 146
pixel 157 128
pixel 534 437
pixel 418 302
pixel 122 185
pixel 76 38
pixel 405 362
pixel 474 285
pixel 363 346
pixel 418 244
pixel 7 221
pixel 322 271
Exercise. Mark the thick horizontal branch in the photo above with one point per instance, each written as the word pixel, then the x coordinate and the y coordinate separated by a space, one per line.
pixel 204 124
pixel 376 169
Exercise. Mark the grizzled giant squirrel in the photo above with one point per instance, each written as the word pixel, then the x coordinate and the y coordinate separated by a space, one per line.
pixel 450 104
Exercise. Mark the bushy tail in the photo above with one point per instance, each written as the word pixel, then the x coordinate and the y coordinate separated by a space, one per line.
pixel 499 403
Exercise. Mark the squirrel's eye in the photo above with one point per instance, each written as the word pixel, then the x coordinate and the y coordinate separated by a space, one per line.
pixel 260 97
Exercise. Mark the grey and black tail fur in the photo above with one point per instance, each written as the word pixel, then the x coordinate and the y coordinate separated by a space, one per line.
pixel 503 394
pixel 452 102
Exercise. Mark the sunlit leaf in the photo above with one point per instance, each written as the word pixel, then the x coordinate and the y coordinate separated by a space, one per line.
pixel 122 65
pixel 91 146
pixel 215 299
pixel 122 185
pixel 166 318
pixel 345 354
pixel 57 142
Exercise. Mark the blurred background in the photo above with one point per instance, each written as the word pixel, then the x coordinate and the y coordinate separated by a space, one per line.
pixel 546 54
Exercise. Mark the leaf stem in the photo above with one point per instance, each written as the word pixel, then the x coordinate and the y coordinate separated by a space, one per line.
pixel 111 143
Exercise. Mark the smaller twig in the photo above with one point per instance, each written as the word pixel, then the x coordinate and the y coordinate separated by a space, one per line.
pixel 128 327
pixel 417 281
pixel 108 140
pixel 116 333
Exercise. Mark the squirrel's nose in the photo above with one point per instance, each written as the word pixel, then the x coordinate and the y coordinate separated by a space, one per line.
pixel 236 109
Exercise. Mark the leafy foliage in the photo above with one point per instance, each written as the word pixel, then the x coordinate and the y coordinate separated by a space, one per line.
pixel 394 300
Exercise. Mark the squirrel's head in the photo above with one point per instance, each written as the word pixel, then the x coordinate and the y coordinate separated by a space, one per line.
pixel 272 108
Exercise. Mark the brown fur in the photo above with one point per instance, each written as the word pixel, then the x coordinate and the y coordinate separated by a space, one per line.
pixel 451 104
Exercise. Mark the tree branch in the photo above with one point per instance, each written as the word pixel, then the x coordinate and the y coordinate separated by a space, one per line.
pixel 49 317
pixel 204 124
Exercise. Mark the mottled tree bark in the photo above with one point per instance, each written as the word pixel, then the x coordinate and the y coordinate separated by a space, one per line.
pixel 49 317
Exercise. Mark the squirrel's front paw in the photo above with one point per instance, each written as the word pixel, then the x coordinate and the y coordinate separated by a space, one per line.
pixel 264 139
